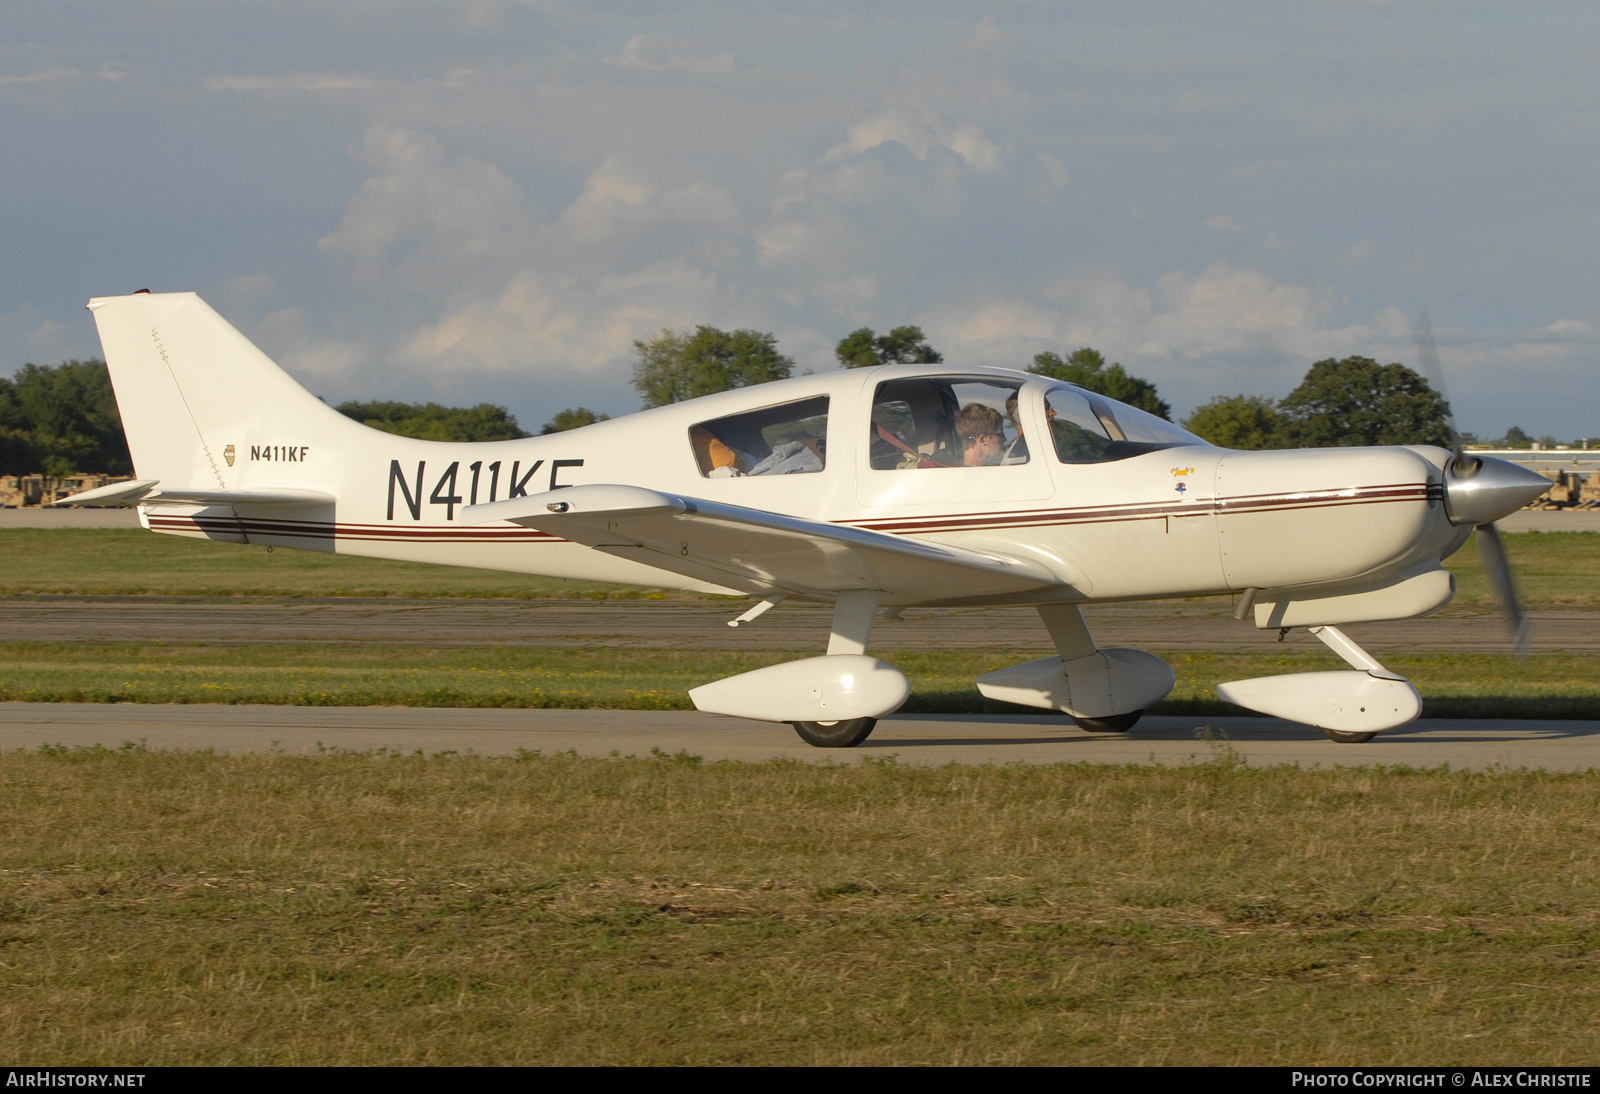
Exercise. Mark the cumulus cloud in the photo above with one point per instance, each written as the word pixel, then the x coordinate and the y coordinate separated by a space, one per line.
pixel 517 294
pixel 289 336
pixel 1223 329
pixel 49 75
pixel 613 195
pixel 920 133
pixel 656 51
pixel 1570 328
pixel 439 224
pixel 540 323
pixel 292 82
pixel 1056 168
pixel 28 335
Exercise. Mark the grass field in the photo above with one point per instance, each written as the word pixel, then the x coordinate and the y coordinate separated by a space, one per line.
pixel 170 908
pixel 133 562
pixel 371 909
pixel 1554 568
pixel 1460 685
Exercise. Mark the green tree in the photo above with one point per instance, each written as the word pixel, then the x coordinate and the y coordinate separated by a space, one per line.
pixel 1516 438
pixel 1237 421
pixel 573 418
pixel 433 422
pixel 16 448
pixel 1356 401
pixel 676 365
pixel 61 419
pixel 901 346
pixel 1087 368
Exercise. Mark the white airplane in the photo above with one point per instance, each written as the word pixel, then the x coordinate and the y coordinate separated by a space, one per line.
pixel 876 490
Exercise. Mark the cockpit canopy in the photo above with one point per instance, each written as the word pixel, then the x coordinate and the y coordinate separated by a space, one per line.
pixel 941 421
pixel 938 421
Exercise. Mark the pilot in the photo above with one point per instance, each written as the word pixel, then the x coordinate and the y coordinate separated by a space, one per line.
pixel 982 433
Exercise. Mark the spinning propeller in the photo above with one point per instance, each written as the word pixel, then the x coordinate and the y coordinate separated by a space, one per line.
pixel 1479 490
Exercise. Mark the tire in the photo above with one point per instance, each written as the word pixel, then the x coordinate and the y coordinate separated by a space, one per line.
pixel 845 734
pixel 1117 723
pixel 1345 737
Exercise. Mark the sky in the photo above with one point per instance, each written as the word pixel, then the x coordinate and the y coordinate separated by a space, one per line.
pixel 490 200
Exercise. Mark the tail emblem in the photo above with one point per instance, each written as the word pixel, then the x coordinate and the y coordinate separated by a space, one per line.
pixel 227 454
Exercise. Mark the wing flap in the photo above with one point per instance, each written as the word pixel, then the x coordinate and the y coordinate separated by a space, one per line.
pixel 755 550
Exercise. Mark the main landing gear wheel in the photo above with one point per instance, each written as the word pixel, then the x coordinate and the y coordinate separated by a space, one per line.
pixel 1345 737
pixel 1117 723
pixel 845 734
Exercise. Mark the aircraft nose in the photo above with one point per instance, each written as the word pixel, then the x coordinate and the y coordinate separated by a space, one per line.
pixel 1490 490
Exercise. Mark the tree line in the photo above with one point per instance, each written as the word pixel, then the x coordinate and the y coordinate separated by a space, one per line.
pixel 62 420
pixel 1354 401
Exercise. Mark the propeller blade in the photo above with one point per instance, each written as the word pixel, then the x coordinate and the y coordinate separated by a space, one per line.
pixel 1428 355
pixel 1493 554
pixel 1487 493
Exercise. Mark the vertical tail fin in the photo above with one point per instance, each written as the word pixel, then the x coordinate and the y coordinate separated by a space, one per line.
pixel 190 387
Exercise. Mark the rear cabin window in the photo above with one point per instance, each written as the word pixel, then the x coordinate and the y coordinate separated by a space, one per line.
pixel 788 439
pixel 935 422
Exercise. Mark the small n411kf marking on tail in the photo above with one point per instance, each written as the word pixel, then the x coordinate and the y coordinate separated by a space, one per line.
pixel 275 452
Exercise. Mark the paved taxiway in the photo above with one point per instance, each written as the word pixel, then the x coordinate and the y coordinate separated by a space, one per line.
pixel 910 739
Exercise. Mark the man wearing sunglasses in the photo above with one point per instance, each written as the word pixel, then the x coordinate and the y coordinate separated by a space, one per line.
pixel 982 433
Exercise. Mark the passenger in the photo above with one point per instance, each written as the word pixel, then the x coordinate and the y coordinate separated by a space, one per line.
pixel 1018 451
pixel 982 433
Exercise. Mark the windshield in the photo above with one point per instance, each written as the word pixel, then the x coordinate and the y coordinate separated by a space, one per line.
pixel 1088 428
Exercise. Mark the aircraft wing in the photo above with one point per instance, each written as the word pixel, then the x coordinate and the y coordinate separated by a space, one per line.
pixel 148 492
pixel 757 551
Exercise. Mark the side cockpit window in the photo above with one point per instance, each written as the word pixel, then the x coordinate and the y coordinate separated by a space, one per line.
pixel 1089 429
pixel 932 422
pixel 788 439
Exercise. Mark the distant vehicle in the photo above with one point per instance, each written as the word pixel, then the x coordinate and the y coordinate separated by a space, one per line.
pixel 875 489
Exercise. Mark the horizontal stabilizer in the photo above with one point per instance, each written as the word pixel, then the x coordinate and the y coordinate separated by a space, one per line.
pixel 147 492
pixel 755 550
pixel 115 495
pixel 282 496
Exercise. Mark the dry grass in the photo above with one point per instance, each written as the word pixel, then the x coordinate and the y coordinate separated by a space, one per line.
pixel 343 909
pixel 1553 569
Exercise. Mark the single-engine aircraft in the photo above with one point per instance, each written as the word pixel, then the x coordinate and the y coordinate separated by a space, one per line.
pixel 874 489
